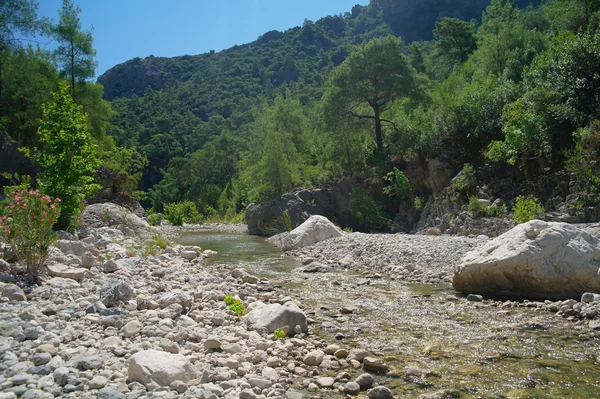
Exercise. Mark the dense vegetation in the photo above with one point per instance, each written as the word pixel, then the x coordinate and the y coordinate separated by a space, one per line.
pixel 501 81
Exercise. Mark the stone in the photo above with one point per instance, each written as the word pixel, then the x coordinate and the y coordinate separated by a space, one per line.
pixel 62 283
pixel 110 393
pixel 64 271
pixel 268 318
pixel 351 388
pixel 175 296
pixel 374 364
pixel 171 311
pixel 536 259
pixel 589 297
pixel 314 358
pixel 325 382
pixel 12 292
pixel 114 291
pixel 48 348
pixel 212 343
pixel 380 392
pixel 316 229
pixel 247 394
pixel 153 367
pixel 39 359
pixel 98 382
pixel 61 375
pixel 474 298
pixel 131 329
pixel 110 266
pixel 262 219
pixel 365 381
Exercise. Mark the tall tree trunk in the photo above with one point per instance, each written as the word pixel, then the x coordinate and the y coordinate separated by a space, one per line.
pixel 378 137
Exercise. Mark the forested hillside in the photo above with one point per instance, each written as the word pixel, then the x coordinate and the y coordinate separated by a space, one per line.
pixel 369 95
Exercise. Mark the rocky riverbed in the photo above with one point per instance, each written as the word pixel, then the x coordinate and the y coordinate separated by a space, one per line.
pixel 123 318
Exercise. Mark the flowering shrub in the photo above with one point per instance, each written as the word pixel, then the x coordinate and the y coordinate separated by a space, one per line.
pixel 26 225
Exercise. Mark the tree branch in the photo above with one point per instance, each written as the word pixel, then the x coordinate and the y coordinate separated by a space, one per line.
pixel 355 115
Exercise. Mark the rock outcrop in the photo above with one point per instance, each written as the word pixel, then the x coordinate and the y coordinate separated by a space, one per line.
pixel 267 218
pixel 113 216
pixel 315 229
pixel 535 259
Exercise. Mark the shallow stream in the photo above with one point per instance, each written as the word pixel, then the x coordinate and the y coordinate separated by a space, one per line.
pixel 432 339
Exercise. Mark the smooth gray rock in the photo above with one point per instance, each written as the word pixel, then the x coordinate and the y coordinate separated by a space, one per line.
pixel 268 318
pixel 316 229
pixel 153 367
pixel 110 393
pixel 12 292
pixel 351 388
pixel 365 381
pixel 380 392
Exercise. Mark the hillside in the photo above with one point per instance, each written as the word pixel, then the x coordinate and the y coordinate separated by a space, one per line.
pixel 224 129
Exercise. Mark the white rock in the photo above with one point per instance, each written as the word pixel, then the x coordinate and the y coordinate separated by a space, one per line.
pixel 268 318
pixel 153 368
pixel 537 259
pixel 63 271
pixel 316 229
pixel 314 358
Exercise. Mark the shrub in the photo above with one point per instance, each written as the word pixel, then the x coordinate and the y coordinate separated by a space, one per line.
pixel 68 157
pixel 181 212
pixel 526 209
pixel 477 208
pixel 399 186
pixel 365 210
pixel 27 225
pixel 154 218
pixel 465 181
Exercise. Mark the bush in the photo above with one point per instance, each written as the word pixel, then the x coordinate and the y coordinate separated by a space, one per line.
pixel 68 157
pixel 526 209
pixel 27 225
pixel 399 186
pixel 477 208
pixel 181 212
pixel 364 209
pixel 235 305
pixel 465 181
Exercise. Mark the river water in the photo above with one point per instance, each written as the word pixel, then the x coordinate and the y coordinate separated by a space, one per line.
pixel 432 339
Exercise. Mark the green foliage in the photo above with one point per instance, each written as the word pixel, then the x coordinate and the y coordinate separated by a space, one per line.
pixel 235 305
pixel 285 222
pixel 366 213
pixel 68 157
pixel 280 334
pixel 465 182
pixel 161 241
pixel 181 212
pixel 154 218
pixel 75 53
pixel 366 83
pixel 398 186
pixel 526 209
pixel 477 208
pixel 584 162
pixel 26 225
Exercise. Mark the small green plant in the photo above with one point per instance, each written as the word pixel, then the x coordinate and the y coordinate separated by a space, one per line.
pixel 280 334
pixel 477 207
pixel 419 203
pixel 26 225
pixel 235 305
pixel 526 209
pixel 105 215
pixel 160 241
pixel 496 211
pixel 285 221
pixel 150 249
pixel 154 218
pixel 464 183
pixel 348 229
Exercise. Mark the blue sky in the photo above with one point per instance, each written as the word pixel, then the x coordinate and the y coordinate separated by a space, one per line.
pixel 124 29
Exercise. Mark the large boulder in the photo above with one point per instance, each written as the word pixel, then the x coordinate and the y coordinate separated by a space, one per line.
pixel 316 229
pixel 535 259
pixel 268 318
pixel 153 368
pixel 268 218
pixel 114 216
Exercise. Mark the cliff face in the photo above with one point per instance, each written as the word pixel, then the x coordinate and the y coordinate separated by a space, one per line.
pixel 133 77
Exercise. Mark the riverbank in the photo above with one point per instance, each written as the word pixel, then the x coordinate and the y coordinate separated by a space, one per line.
pixel 77 336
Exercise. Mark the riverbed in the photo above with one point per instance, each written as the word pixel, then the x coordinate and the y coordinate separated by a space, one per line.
pixel 435 342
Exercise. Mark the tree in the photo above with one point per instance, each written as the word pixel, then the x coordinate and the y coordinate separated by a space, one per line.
pixel 375 74
pixel 455 38
pixel 18 21
pixel 75 54
pixel 68 157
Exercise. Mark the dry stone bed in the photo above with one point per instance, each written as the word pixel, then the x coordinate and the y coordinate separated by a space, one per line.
pixel 110 323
